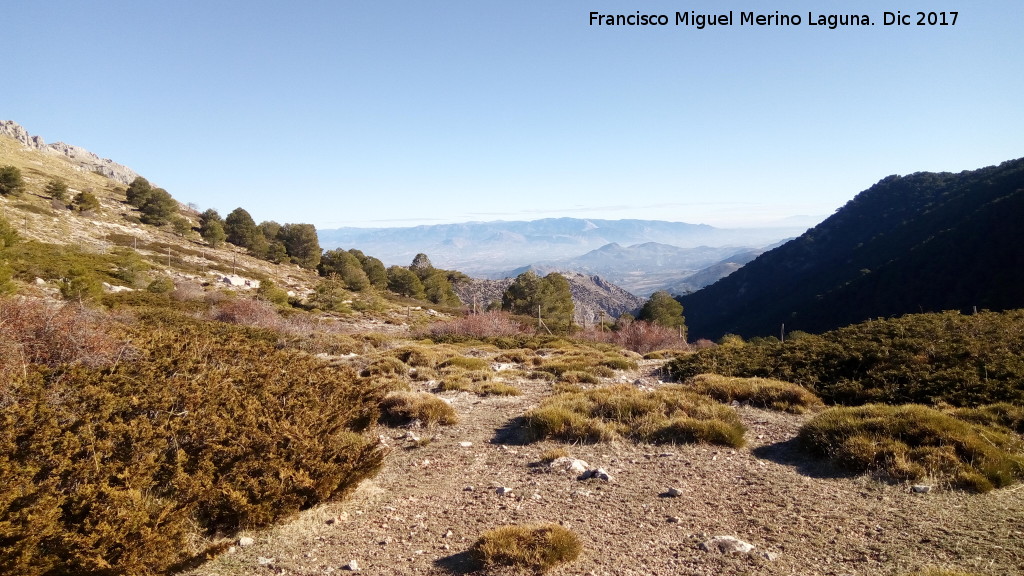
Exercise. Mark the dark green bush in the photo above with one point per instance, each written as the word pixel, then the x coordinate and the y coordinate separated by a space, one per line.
pixel 921 358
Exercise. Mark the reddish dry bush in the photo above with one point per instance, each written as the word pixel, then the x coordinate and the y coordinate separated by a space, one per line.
pixel 492 324
pixel 644 337
pixel 246 312
pixel 33 331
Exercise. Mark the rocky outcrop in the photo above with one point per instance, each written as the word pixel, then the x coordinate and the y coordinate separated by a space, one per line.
pixel 82 158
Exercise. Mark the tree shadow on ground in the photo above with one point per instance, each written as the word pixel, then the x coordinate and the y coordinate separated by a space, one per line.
pixel 514 432
pixel 789 453
pixel 460 563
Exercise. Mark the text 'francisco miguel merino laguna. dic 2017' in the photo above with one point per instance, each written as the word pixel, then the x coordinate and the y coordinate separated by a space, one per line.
pixel 830 21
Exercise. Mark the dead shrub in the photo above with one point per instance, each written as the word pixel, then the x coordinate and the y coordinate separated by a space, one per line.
pixel 494 324
pixel 643 337
pixel 535 547
pixel 247 312
pixel 33 331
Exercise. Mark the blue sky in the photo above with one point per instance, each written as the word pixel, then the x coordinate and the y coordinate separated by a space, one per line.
pixel 386 112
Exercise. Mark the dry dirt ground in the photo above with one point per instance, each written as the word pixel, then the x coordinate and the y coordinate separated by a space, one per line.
pixel 428 505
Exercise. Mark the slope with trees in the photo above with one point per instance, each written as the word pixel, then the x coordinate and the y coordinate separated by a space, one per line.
pixel 923 242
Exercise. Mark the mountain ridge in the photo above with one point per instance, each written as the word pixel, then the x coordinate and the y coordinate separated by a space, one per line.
pixel 84 159
pixel 916 243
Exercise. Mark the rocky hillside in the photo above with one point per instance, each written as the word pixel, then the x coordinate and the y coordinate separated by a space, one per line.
pixel 85 160
pixel 591 295
pixel 918 243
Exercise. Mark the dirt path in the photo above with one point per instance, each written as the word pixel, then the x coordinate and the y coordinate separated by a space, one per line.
pixel 425 509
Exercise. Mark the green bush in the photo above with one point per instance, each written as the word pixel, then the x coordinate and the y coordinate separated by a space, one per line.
pixel 670 414
pixel 759 392
pixel 537 547
pixel 913 442
pixel 921 358
pixel 403 407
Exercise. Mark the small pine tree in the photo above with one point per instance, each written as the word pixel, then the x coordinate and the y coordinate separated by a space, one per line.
pixel 661 308
pixel 211 228
pixel 240 228
pixel 405 282
pixel 11 182
pixel 138 192
pixel 57 188
pixel 86 202
pixel 302 244
pixel 159 208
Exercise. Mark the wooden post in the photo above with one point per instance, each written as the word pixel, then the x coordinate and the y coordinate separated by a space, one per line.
pixel 782 332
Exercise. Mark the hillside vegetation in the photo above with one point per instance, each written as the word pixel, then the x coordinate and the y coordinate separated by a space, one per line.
pixel 945 358
pixel 925 242
pixel 181 393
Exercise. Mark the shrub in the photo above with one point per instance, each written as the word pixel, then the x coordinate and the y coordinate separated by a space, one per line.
pixel 86 202
pixel 913 442
pixel 36 332
pixel 11 181
pixel 466 363
pixel 57 188
pixel 497 389
pixel 247 312
pixel 536 547
pixel 403 407
pixel 644 337
pixel 670 414
pixel 492 324
pixel 161 285
pixel 920 358
pixel 386 366
pixel 210 428
pixel 759 392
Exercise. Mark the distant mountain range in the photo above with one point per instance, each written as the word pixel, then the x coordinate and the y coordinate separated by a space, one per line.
pixel 646 268
pixel 627 250
pixel 918 243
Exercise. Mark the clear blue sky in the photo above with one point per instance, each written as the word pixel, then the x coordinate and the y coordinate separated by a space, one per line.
pixel 385 112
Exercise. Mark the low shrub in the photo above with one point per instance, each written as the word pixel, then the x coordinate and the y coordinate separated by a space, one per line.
pixel 944 358
pixel 466 363
pixel 497 389
pixel 1004 414
pixel 121 469
pixel 670 414
pixel 535 547
pixel 477 326
pixel 247 312
pixel 914 442
pixel 399 408
pixel 759 392
pixel 33 331
pixel 386 366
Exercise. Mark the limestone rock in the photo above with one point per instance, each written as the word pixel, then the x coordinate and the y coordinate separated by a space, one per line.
pixel 727 545
pixel 598 474
pixel 246 541
pixel 571 465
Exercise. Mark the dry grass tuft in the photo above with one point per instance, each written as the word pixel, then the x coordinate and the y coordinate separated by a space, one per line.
pixel 536 547
pixel 914 443
pixel 671 414
pixel 759 392
pixel 403 407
